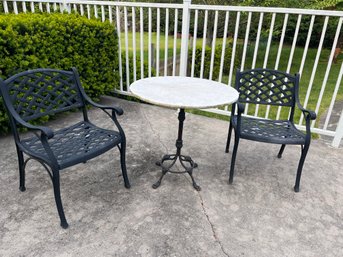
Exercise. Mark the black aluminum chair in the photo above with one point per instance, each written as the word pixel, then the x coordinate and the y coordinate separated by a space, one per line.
pixel 35 93
pixel 269 87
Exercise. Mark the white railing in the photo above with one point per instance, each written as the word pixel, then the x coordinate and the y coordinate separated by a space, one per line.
pixel 163 37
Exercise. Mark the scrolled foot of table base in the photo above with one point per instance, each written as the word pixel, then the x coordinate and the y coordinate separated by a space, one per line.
pixel 189 169
pixel 183 159
pixel 195 185
pixel 158 183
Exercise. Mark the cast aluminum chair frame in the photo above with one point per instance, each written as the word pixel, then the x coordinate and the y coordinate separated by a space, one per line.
pixel 35 93
pixel 269 87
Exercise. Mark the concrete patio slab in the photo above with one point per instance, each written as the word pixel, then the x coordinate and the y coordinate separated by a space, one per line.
pixel 259 215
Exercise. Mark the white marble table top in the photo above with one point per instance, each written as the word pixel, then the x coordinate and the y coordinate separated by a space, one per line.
pixel 183 92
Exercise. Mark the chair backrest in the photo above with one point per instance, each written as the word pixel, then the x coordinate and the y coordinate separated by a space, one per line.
pixel 265 86
pixel 41 92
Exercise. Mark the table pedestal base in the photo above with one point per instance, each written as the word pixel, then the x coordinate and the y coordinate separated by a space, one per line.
pixel 178 156
pixel 167 168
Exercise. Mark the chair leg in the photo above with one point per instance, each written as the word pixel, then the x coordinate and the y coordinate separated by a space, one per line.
pixel 281 151
pixel 300 167
pixel 228 138
pixel 233 159
pixel 21 170
pixel 123 165
pixel 57 193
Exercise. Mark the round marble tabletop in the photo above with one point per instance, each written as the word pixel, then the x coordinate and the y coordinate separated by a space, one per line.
pixel 183 92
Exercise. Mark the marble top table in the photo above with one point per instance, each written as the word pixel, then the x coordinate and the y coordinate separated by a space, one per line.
pixel 182 93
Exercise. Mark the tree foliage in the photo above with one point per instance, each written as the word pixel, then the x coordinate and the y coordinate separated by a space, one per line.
pixel 309 4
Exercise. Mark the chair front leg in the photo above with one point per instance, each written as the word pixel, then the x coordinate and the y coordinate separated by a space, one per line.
pixel 122 149
pixel 233 159
pixel 300 167
pixel 228 138
pixel 21 170
pixel 281 151
pixel 309 115
pixel 57 193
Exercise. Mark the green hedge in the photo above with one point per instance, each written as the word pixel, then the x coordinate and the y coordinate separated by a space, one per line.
pixel 61 41
pixel 216 61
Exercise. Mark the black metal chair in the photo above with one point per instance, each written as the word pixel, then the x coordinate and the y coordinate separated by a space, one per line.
pixel 35 93
pixel 269 87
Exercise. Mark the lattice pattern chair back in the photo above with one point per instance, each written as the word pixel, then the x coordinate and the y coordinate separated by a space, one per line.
pixel 40 92
pixel 269 87
pixel 36 93
pixel 264 86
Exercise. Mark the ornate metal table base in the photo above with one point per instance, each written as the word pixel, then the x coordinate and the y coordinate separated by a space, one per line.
pixel 178 156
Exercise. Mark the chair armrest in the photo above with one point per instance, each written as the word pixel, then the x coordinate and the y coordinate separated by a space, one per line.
pixel 44 130
pixel 117 109
pixel 310 114
pixel 240 107
pixel 240 110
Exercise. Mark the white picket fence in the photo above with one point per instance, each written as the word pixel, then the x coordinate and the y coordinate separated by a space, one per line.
pixel 250 30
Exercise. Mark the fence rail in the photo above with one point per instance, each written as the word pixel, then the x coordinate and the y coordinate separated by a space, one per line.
pixel 212 41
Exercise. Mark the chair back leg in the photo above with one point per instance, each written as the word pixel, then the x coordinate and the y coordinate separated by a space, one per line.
pixel 233 159
pixel 122 149
pixel 281 151
pixel 57 193
pixel 228 138
pixel 300 167
pixel 21 170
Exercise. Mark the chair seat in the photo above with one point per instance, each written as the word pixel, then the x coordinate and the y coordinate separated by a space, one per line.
pixel 74 144
pixel 270 131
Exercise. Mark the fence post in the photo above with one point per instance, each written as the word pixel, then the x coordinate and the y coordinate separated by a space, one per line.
pixel 184 37
pixel 5 6
pixel 66 6
pixel 339 132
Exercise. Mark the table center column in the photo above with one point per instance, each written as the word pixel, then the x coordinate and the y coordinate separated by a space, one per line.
pixel 179 141
pixel 174 157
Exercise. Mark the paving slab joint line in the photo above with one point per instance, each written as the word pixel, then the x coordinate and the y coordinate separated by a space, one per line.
pixel 201 200
pixel 155 132
pixel 212 226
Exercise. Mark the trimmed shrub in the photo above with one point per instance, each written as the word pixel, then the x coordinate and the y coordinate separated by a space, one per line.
pixel 216 61
pixel 61 41
pixel 207 62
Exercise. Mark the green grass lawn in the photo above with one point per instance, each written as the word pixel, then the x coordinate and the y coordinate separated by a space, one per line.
pixel 146 42
pixel 305 78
